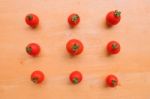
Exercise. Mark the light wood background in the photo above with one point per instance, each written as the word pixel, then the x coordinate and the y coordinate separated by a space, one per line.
pixel 131 65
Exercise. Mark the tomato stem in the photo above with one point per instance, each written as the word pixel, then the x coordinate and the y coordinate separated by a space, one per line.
pixel 75 80
pixel 75 47
pixel 114 82
pixel 35 80
pixel 30 17
pixel 117 13
pixel 28 49
pixel 75 18
pixel 114 46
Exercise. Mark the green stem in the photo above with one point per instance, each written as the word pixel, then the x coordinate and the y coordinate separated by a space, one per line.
pixel 114 82
pixel 75 18
pixel 75 47
pixel 29 49
pixel 35 80
pixel 114 46
pixel 117 13
pixel 30 17
pixel 75 80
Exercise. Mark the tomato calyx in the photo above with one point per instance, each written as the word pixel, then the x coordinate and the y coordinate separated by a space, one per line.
pixel 35 80
pixel 75 18
pixel 75 47
pixel 117 13
pixel 75 81
pixel 30 17
pixel 114 46
pixel 29 49
pixel 114 82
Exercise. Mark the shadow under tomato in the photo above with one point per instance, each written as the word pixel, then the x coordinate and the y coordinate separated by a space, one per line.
pixel 106 53
pixel 105 25
pixel 37 28
pixel 71 56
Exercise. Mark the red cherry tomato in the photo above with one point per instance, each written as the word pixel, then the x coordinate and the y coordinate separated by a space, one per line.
pixel 33 49
pixel 37 77
pixel 74 47
pixel 73 19
pixel 75 77
pixel 32 20
pixel 113 47
pixel 111 80
pixel 113 17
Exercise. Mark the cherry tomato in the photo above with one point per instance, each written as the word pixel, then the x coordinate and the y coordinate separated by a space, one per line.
pixel 113 47
pixel 32 20
pixel 75 77
pixel 37 77
pixel 33 49
pixel 73 19
pixel 111 80
pixel 113 17
pixel 74 47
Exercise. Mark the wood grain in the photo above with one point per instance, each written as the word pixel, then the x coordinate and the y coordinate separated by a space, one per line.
pixel 131 65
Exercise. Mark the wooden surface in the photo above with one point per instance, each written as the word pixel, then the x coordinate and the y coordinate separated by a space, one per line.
pixel 131 65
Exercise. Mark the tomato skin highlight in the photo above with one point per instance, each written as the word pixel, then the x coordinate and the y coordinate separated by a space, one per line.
pixel 113 18
pixel 113 47
pixel 75 77
pixel 32 20
pixel 74 47
pixel 73 19
pixel 37 77
pixel 33 49
pixel 111 80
